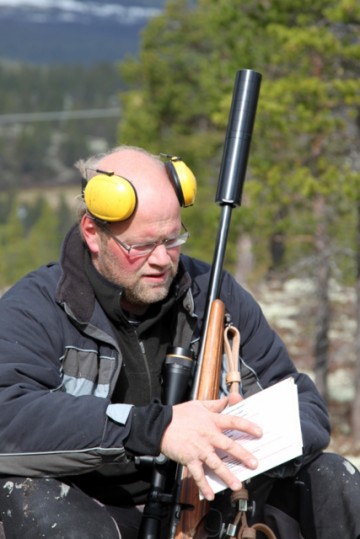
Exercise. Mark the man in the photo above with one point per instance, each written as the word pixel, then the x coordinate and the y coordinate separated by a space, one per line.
pixel 82 349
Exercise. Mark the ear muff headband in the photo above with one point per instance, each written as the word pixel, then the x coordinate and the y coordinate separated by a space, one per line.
pixel 183 180
pixel 109 197
pixel 112 198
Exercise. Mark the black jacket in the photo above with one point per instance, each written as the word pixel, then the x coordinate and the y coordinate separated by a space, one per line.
pixel 60 361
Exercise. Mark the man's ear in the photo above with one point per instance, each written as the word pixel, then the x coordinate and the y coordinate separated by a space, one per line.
pixel 90 233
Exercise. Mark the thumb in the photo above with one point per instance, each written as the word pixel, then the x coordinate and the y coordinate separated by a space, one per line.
pixel 216 406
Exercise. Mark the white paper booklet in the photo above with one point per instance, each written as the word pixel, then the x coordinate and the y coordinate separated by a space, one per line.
pixel 276 411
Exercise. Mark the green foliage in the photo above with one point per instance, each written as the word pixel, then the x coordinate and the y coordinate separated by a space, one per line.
pixel 49 88
pixel 31 236
pixel 35 152
pixel 306 128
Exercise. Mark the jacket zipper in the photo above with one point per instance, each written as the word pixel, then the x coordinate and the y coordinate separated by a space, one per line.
pixel 143 352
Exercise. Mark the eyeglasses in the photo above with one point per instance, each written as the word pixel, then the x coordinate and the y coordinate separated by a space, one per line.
pixel 144 249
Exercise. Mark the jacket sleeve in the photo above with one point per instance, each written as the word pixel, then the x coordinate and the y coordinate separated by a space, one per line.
pixel 267 360
pixel 43 430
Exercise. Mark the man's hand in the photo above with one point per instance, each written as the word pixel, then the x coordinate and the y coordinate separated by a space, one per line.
pixel 194 434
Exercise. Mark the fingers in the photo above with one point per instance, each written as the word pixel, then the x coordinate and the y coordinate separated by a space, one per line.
pixel 236 450
pixel 231 422
pixel 220 443
pixel 234 398
pixel 212 460
pixel 196 471
pixel 216 406
pixel 214 463
pixel 197 438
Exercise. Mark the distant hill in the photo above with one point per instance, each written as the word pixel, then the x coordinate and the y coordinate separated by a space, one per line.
pixel 79 42
pixel 72 32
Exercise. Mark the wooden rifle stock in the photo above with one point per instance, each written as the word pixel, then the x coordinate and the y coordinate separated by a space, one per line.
pixel 210 369
pixel 208 389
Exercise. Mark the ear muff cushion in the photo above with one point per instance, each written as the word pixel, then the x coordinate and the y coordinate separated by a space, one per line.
pixel 184 182
pixel 110 197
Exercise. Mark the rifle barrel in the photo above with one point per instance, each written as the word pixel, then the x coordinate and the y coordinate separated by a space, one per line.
pixel 231 181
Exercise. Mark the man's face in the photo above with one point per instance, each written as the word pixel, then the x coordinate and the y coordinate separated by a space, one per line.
pixel 146 279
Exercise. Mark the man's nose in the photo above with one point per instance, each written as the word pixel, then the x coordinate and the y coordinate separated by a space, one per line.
pixel 160 254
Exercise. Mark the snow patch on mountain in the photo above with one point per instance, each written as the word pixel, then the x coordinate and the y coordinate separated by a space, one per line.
pixel 75 11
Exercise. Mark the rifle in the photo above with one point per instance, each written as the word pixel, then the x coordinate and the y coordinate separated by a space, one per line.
pixel 184 522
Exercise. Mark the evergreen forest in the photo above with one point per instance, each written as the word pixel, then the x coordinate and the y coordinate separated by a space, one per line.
pixel 38 182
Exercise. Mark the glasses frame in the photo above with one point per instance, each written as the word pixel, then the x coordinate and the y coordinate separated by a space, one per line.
pixel 150 246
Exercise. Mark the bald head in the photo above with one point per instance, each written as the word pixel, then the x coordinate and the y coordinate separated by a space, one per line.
pixel 148 175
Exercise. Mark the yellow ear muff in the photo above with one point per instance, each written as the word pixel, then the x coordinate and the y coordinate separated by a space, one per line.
pixel 110 198
pixel 183 180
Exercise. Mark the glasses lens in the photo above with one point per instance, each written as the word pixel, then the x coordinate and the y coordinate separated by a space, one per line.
pixel 141 250
pixel 147 248
pixel 176 242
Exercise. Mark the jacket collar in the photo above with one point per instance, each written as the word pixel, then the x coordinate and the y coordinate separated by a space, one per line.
pixel 75 289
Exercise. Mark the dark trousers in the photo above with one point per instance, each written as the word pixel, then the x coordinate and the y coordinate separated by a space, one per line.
pixel 323 498
pixel 31 508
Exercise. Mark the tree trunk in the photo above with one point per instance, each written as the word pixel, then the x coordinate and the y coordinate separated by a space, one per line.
pixel 245 259
pixel 277 243
pixel 323 309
